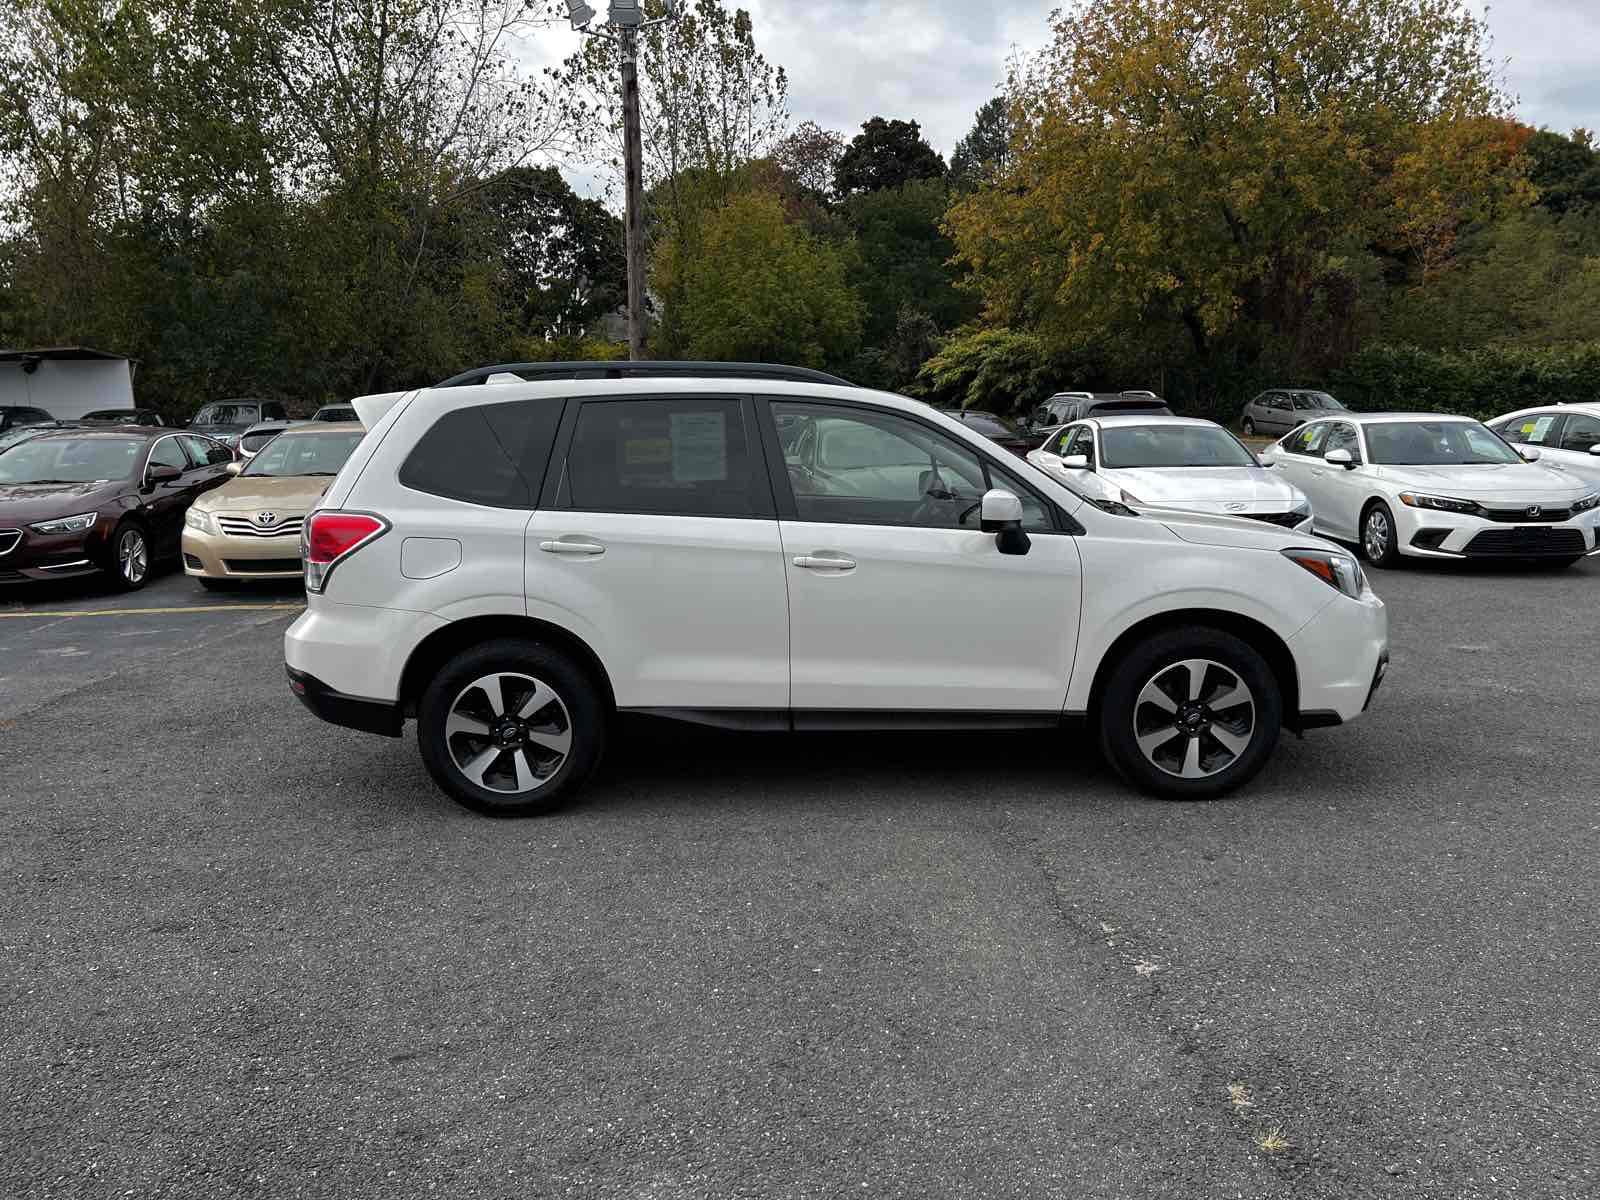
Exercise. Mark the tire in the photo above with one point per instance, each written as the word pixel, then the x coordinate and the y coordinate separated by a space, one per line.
pixel 129 564
pixel 1249 427
pixel 1201 765
pixel 514 767
pixel 1377 537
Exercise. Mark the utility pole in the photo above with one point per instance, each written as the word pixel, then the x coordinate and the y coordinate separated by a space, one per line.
pixel 633 187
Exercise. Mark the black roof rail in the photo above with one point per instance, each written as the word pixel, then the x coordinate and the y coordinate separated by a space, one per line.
pixel 644 369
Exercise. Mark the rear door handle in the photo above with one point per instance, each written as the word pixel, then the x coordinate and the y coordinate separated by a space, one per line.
pixel 825 562
pixel 575 548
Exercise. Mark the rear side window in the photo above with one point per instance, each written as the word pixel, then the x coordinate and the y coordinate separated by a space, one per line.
pixel 491 454
pixel 686 457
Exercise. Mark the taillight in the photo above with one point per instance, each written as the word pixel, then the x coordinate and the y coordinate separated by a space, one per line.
pixel 329 537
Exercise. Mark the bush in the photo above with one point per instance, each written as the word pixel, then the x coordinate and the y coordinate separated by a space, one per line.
pixel 1478 383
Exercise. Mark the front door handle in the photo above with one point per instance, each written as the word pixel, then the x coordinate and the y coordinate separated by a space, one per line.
pixel 577 548
pixel 825 562
pixel 1318 472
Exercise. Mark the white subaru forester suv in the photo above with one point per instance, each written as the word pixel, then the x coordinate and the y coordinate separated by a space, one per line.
pixel 511 563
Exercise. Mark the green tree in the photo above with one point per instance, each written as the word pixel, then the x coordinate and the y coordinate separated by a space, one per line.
pixel 986 150
pixel 885 154
pixel 1235 165
pixel 754 286
pixel 1566 170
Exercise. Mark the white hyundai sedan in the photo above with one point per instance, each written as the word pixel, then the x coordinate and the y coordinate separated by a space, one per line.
pixel 1433 486
pixel 1173 462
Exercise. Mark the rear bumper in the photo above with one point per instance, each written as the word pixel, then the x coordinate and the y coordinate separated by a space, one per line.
pixel 352 712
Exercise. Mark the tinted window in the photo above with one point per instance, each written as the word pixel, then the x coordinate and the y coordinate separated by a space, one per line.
pixel 274 412
pixel 1172 446
pixel 251 442
pixel 688 457
pixel 1436 444
pixel 168 453
pixel 493 454
pixel 1307 440
pixel 1537 429
pixel 1278 400
pixel 1581 433
pixel 29 416
pixel 203 452
pixel 989 426
pixel 867 468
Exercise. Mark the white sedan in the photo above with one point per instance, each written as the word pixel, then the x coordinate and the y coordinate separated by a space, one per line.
pixel 1567 436
pixel 1433 486
pixel 1173 462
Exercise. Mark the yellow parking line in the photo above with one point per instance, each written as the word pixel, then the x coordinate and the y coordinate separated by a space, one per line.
pixel 133 612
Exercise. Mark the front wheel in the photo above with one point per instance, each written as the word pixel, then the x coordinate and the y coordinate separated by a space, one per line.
pixel 1191 714
pixel 511 728
pixel 130 557
pixel 1379 541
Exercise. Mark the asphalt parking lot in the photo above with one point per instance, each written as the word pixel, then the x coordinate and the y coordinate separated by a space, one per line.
pixel 246 954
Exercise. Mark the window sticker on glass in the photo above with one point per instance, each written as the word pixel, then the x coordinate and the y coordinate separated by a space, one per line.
pixel 646 452
pixel 1537 431
pixel 699 447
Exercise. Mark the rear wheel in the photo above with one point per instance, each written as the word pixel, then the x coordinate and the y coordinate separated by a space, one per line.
pixel 1191 714
pixel 511 728
pixel 1379 540
pixel 1249 427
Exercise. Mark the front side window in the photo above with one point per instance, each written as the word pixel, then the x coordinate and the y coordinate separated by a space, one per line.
pixel 1278 400
pixel 1342 436
pixel 304 454
pixel 1436 444
pixel 1307 440
pixel 1582 433
pixel 688 457
pixel 1082 442
pixel 1537 429
pixel 167 453
pixel 870 468
pixel 72 460
pixel 203 452
pixel 1171 446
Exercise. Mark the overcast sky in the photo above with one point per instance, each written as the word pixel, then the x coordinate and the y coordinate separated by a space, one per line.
pixel 936 61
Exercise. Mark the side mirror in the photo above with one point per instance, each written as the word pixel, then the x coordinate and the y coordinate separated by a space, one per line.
pixel 1077 462
pixel 1595 449
pixel 1529 453
pixel 160 473
pixel 1340 458
pixel 1000 513
pixel 234 467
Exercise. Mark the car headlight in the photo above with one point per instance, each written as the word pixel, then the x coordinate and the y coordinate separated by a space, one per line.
pixel 77 524
pixel 1442 503
pixel 198 518
pixel 1334 569
pixel 1588 502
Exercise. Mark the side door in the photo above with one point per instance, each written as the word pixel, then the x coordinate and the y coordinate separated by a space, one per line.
pixel 657 536
pixel 1296 456
pixel 899 603
pixel 166 502
pixel 1338 492
pixel 1576 450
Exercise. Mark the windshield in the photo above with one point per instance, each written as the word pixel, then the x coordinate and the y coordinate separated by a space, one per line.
pixel 1436 444
pixel 71 460
pixel 228 414
pixel 990 425
pixel 251 442
pixel 304 454
pixel 1317 401
pixel 1172 446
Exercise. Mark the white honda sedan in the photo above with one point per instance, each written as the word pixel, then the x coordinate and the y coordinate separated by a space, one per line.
pixel 1567 436
pixel 1173 462
pixel 1433 486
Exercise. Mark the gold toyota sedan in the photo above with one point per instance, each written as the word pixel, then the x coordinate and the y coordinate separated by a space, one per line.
pixel 250 527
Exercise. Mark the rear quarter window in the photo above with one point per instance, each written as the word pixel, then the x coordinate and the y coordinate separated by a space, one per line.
pixel 490 454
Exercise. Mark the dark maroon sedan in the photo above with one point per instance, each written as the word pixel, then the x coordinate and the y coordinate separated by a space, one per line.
pixel 80 501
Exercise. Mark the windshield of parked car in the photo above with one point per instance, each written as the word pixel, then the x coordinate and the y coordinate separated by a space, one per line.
pixel 1317 402
pixel 989 425
pixel 228 414
pixel 1436 444
pixel 251 442
pixel 71 460
pixel 1172 446
pixel 304 454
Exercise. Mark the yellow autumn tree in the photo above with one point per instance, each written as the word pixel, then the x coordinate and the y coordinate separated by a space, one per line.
pixel 1224 163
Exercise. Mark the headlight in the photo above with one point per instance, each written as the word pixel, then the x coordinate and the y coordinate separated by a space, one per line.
pixel 1334 569
pixel 198 518
pixel 1588 502
pixel 1442 503
pixel 77 524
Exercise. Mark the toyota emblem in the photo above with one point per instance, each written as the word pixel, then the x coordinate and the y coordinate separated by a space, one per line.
pixel 1535 511
pixel 266 519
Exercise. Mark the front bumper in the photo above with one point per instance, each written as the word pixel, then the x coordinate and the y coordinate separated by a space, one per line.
pixel 1341 655
pixel 1426 533
pixel 37 556
pixel 352 712
pixel 221 556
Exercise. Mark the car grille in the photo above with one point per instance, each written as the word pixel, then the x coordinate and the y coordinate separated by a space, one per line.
pixel 1528 541
pixel 262 566
pixel 1287 520
pixel 1521 516
pixel 245 527
pixel 9 539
